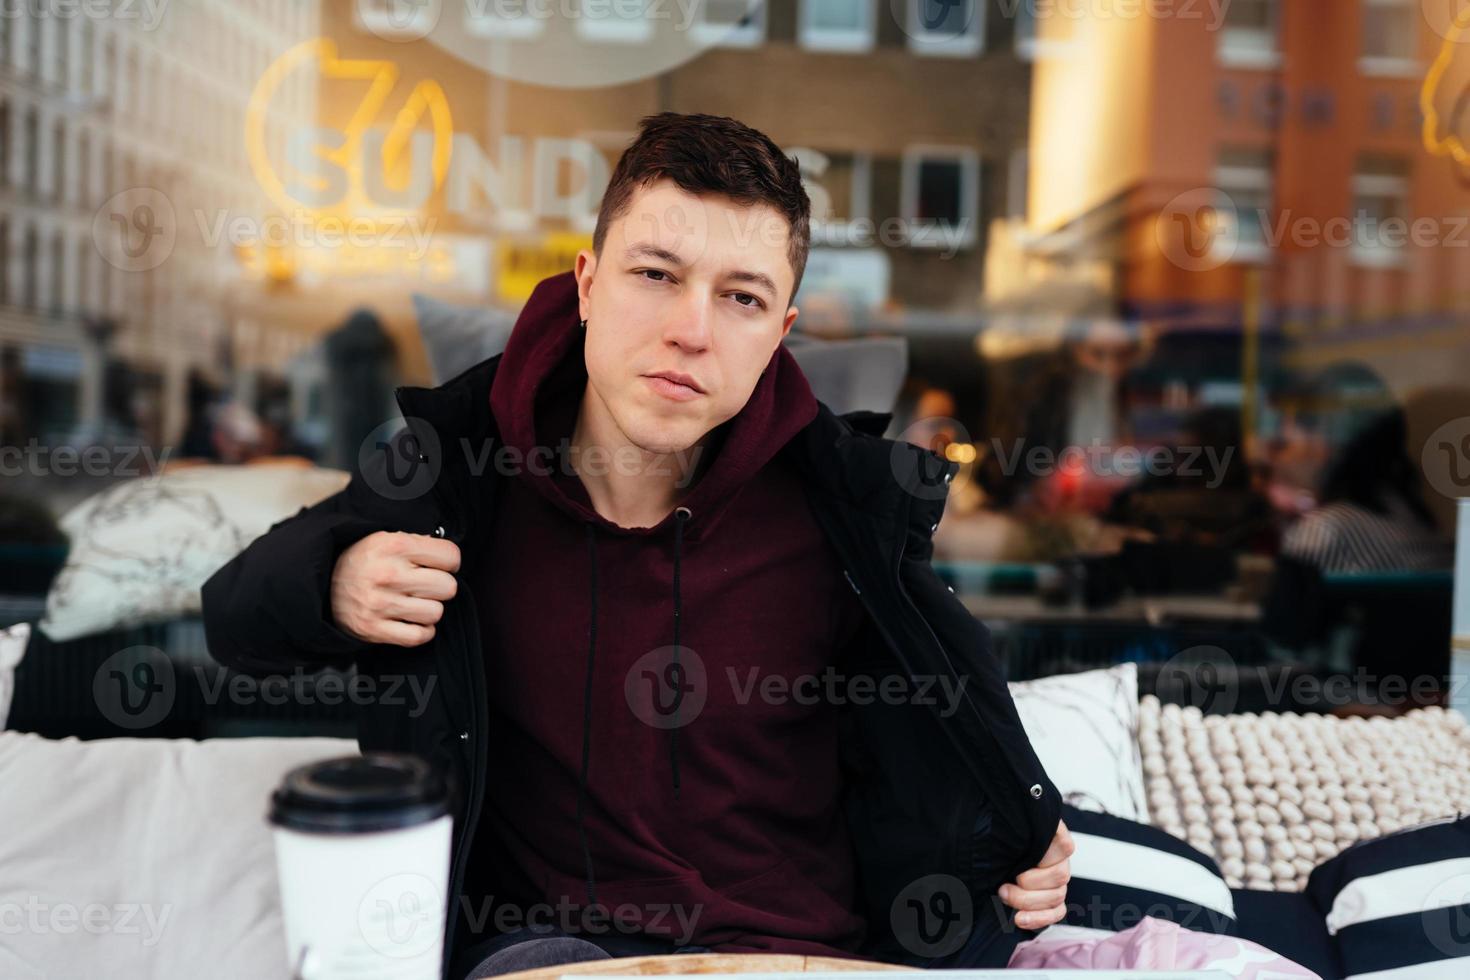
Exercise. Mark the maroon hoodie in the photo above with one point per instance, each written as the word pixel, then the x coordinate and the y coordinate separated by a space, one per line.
pixel 666 788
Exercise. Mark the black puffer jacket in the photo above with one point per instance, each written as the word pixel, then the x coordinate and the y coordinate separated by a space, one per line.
pixel 931 794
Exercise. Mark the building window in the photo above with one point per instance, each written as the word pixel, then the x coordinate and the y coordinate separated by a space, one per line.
pixel 84 56
pixel 1018 183
pixel 107 75
pixel 56 172
pixel 621 22
pixel 30 267
pixel 839 185
pixel 1034 39
pixel 1380 211
pixel 1389 37
pixel 954 28
pixel 731 23
pixel 1244 177
pixel 85 196
pixel 57 299
pixel 389 18
pixel 32 140
pixel 34 28
pixel 61 37
pixel 837 25
pixel 7 139
pixel 84 276
pixel 940 196
pixel 1249 37
pixel 502 20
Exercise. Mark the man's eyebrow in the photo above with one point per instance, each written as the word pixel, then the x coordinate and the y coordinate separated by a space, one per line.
pixel 644 250
pixel 758 278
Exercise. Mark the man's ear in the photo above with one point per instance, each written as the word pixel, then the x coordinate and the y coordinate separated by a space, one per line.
pixel 584 269
pixel 790 319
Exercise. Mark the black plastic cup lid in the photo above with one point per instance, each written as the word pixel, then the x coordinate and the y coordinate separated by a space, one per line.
pixel 360 795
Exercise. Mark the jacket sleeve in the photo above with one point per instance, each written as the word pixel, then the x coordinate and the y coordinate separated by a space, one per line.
pixel 268 610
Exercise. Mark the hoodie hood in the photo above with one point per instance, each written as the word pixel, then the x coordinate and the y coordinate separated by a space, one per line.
pixel 538 389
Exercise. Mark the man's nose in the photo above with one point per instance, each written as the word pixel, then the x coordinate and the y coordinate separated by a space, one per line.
pixel 688 324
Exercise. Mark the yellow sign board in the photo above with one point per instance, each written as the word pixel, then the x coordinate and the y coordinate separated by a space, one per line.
pixel 519 266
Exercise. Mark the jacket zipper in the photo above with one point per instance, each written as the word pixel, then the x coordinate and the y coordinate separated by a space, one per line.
pixel 478 753
pixel 934 637
pixel 477 734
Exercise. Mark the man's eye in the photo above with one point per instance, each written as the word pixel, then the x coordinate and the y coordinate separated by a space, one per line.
pixel 757 304
pixel 655 272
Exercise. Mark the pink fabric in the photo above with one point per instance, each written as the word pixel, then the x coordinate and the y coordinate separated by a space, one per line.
pixel 1154 944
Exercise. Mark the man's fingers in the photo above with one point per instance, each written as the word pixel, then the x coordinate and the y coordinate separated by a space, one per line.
pixel 431 552
pixel 427 583
pixel 404 634
pixel 1040 920
pixel 1024 899
pixel 1062 847
pixel 1040 879
pixel 425 612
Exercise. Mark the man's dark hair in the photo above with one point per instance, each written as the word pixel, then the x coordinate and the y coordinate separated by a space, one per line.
pixel 706 154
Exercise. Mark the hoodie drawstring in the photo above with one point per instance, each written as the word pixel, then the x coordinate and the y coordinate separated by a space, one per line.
pixel 587 716
pixel 681 517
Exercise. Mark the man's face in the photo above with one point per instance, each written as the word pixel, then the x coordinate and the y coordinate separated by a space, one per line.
pixel 683 309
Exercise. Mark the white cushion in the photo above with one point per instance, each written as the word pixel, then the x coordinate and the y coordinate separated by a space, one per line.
pixel 1084 728
pixel 141 550
pixel 1271 795
pixel 143 858
pixel 13 642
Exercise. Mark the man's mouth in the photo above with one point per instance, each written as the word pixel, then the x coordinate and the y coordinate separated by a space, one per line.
pixel 674 386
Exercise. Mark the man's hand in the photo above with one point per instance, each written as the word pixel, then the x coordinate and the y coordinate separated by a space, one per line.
pixel 1040 895
pixel 391 587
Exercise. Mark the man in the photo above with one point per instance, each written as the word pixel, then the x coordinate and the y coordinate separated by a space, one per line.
pixel 625 553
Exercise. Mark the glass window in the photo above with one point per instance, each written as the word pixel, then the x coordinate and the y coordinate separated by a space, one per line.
pixel 1244 177
pixel 946 27
pixel 940 196
pixel 732 23
pixel 629 23
pixel 837 25
pixel 839 184
pixel 1389 37
pixel 404 19
pixel 1249 37
pixel 1034 38
pixel 1380 210
pixel 501 18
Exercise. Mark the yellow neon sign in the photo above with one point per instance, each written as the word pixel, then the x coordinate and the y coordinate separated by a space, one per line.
pixel 1450 145
pixel 426 97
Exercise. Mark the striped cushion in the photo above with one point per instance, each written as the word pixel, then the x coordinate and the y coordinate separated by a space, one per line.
pixel 1399 906
pixel 1123 871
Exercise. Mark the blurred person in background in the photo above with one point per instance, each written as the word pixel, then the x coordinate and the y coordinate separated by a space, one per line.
pixel 1319 415
pixel 1210 495
pixel 1371 515
pixel 1074 396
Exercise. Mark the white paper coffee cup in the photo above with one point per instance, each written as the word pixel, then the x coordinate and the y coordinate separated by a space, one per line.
pixel 362 854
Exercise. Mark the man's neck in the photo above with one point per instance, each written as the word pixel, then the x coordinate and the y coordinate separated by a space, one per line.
pixel 628 485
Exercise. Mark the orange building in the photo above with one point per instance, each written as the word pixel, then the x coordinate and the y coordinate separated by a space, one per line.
pixel 1259 162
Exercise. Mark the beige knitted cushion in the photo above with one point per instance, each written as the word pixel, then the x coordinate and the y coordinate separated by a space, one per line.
pixel 1270 796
